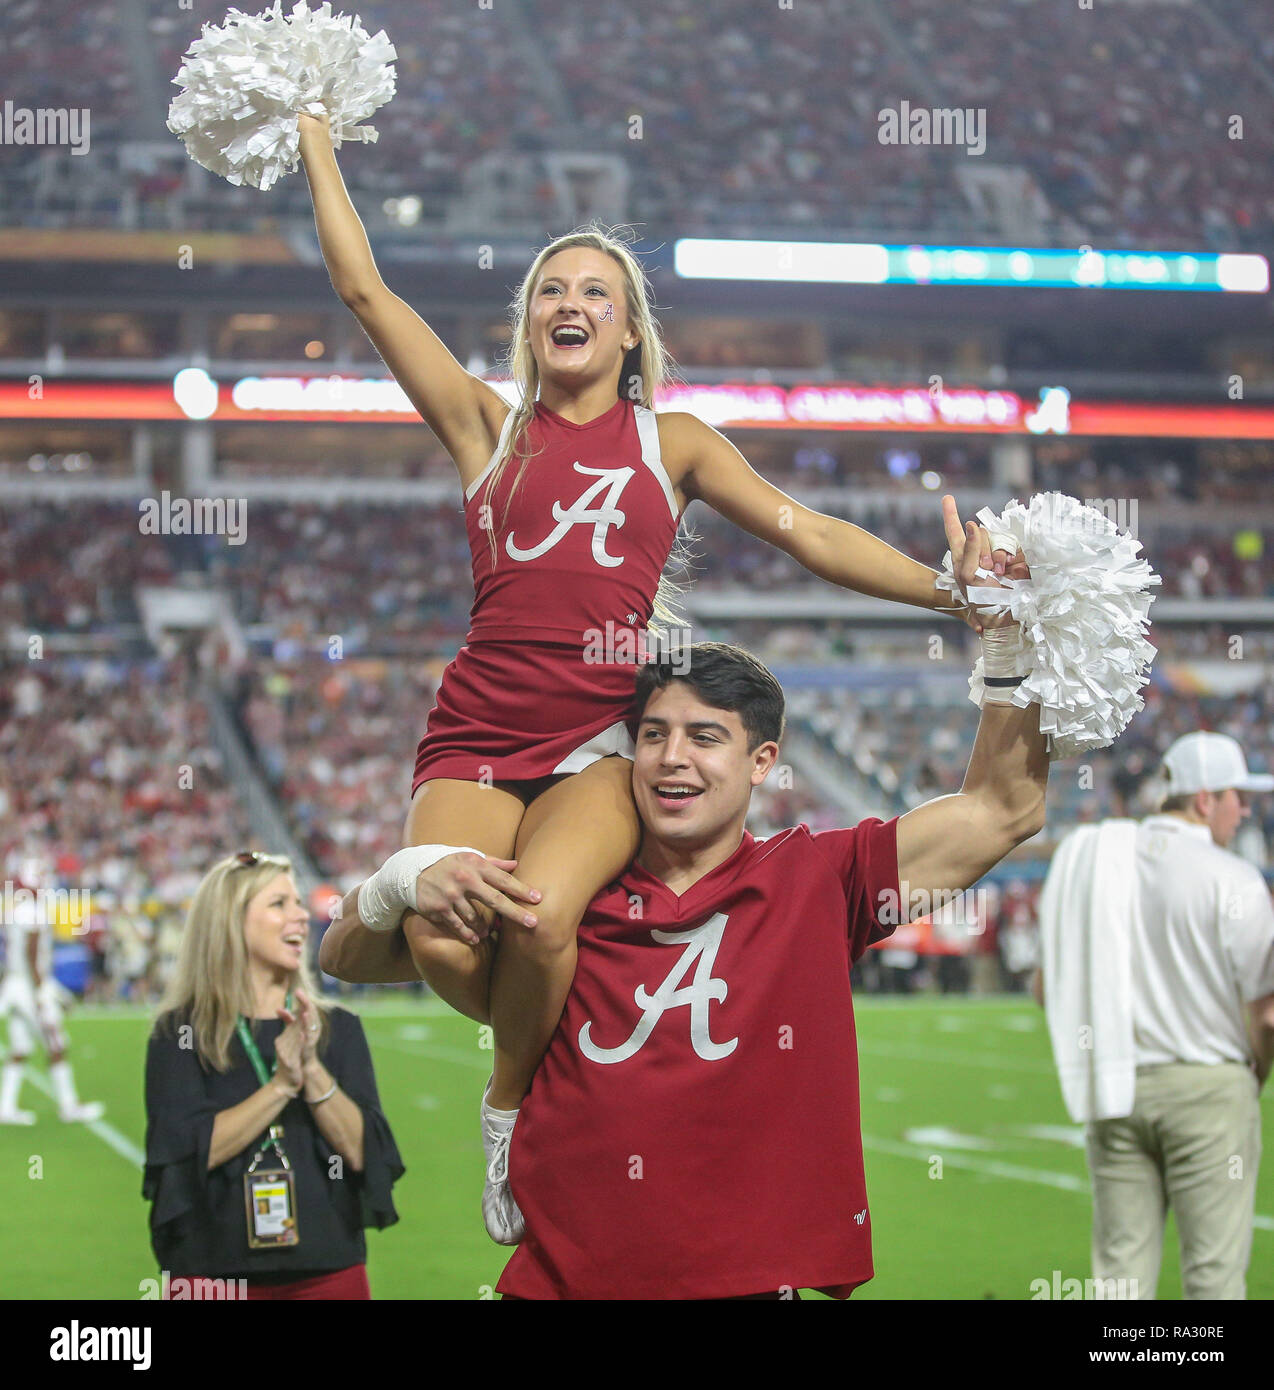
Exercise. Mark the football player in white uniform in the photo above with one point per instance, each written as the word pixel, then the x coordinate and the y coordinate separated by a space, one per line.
pixel 31 1000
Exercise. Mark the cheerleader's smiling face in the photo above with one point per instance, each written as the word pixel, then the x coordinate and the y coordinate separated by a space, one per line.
pixel 276 924
pixel 578 317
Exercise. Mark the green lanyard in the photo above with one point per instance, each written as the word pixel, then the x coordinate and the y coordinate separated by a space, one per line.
pixel 275 1132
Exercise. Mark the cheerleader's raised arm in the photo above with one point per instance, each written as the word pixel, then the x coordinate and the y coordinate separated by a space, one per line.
pixel 835 550
pixel 461 409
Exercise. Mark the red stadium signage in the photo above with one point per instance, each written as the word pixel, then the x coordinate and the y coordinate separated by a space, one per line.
pixel 831 406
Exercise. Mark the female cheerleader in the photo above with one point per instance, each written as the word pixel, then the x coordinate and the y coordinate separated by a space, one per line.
pixel 572 502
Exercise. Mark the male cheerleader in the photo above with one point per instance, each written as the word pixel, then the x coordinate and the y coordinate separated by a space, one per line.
pixel 693 1130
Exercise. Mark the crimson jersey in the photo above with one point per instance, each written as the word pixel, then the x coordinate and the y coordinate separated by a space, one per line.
pixel 545 680
pixel 694 1130
pixel 587 536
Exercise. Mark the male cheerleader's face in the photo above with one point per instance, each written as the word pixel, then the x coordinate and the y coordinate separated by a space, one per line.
pixel 276 925
pixel 693 773
pixel 578 319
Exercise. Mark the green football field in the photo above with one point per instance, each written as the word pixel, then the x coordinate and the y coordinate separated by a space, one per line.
pixel 969 1083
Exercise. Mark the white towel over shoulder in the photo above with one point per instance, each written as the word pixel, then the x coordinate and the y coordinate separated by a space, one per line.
pixel 1087 911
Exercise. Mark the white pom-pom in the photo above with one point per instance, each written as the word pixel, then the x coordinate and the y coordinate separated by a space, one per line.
pixel 1083 613
pixel 246 82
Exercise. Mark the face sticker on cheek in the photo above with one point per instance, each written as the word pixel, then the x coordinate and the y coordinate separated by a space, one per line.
pixel 607 315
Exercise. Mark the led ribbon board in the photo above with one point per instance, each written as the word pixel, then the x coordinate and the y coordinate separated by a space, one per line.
pixel 868 263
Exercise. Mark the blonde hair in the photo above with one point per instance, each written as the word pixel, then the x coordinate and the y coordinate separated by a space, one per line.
pixel 646 369
pixel 211 984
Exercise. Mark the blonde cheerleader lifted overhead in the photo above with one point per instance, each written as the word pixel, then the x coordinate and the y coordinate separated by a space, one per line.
pixel 572 499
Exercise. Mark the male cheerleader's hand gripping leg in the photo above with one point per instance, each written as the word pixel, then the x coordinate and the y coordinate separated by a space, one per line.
pixel 443 886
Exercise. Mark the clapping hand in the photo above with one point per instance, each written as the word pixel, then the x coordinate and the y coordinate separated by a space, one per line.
pixel 294 1048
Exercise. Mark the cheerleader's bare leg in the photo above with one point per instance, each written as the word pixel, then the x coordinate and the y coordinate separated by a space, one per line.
pixel 572 839
pixel 575 838
pixel 486 818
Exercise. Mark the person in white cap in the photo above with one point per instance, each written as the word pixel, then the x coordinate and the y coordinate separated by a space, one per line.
pixel 1158 981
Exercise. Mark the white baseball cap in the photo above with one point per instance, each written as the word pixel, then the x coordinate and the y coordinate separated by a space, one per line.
pixel 1205 762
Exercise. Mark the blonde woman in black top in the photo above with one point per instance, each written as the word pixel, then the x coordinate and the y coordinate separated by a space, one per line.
pixel 266 1150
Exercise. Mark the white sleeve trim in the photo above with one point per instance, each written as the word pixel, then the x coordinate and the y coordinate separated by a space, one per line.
pixel 495 457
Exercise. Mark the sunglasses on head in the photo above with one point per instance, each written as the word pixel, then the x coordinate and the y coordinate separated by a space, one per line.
pixel 247 859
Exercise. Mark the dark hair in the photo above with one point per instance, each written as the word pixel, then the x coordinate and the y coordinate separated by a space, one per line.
pixel 724 676
pixel 1181 801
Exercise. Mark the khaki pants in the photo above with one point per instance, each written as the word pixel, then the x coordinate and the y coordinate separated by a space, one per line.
pixel 1192 1143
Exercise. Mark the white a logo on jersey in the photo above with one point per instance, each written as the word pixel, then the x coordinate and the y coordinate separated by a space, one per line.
pixel 701 952
pixel 612 482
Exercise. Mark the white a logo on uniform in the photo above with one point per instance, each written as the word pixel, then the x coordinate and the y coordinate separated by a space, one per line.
pixel 701 952
pixel 612 482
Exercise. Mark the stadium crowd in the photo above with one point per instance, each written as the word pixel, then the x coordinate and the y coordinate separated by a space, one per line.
pixel 1115 119
pixel 746 127
pixel 96 746
pixel 65 54
pixel 113 786
pixel 74 567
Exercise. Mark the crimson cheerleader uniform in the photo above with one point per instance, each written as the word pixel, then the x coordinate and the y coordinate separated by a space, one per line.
pixel 580 553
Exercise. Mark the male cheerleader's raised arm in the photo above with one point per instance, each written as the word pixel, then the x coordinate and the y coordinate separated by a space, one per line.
pixel 946 845
pixel 462 410
pixel 835 550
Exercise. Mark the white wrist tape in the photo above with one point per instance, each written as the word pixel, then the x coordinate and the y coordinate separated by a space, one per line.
pixel 1006 662
pixel 391 890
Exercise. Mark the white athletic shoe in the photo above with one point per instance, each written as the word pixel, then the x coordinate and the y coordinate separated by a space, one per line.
pixel 500 1212
pixel 17 1117
pixel 84 1113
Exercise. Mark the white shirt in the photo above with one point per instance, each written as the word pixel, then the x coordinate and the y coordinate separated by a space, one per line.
pixel 1203 947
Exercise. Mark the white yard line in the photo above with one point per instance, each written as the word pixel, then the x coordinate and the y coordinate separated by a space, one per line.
pixel 368 1008
pixel 1067 1182
pixel 434 1052
pixel 911 1052
pixel 108 1134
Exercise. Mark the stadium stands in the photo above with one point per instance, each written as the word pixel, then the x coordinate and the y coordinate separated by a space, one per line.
pixel 742 130
pixel 74 566
pixel 112 782
pixel 1115 113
